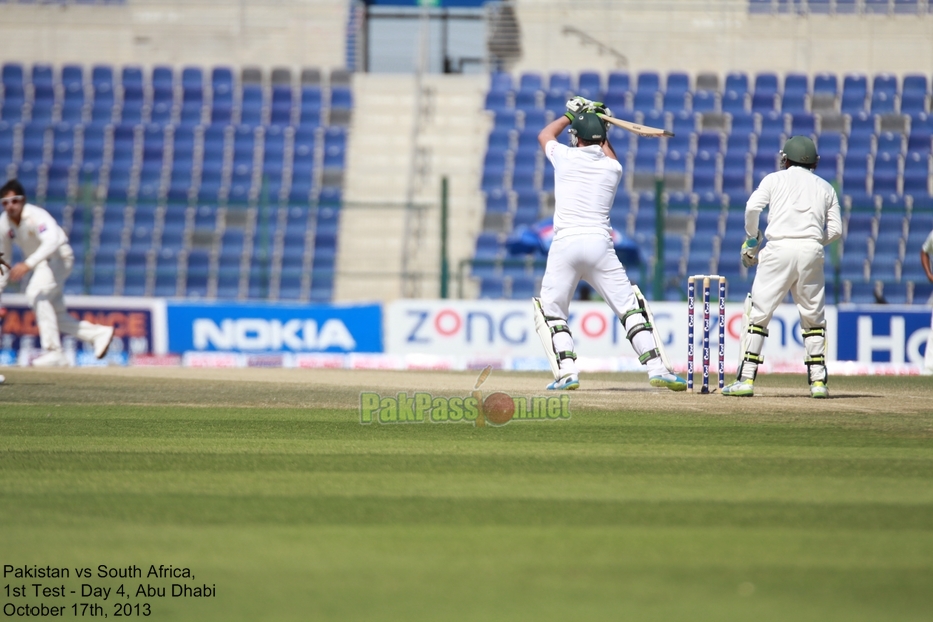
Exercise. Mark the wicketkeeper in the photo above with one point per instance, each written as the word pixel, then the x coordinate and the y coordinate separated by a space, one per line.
pixel 586 177
pixel 803 218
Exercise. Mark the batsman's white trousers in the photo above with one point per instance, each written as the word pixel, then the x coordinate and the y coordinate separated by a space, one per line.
pixel 591 257
pixel 46 297
pixel 794 266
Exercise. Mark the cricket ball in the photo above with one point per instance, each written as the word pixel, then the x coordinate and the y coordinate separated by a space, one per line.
pixel 498 408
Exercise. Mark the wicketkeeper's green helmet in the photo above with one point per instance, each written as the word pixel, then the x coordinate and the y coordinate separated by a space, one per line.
pixel 589 127
pixel 801 150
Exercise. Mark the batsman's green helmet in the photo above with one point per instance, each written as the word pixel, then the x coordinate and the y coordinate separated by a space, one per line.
pixel 801 150
pixel 589 127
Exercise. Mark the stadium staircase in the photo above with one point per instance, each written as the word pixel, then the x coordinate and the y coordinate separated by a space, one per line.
pixel 404 140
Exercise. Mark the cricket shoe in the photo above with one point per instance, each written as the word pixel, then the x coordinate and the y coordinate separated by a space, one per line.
pixel 740 388
pixel 567 383
pixel 102 341
pixel 818 389
pixel 52 358
pixel 668 381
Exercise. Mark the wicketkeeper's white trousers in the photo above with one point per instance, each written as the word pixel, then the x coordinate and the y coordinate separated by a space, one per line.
pixel 46 296
pixel 794 266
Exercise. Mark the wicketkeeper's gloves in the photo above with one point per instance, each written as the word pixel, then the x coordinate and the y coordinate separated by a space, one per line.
pixel 750 248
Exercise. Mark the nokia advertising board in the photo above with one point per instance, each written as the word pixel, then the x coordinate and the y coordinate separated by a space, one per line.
pixel 263 328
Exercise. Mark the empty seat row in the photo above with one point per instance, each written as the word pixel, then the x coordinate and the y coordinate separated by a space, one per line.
pixel 164 98
pixel 679 91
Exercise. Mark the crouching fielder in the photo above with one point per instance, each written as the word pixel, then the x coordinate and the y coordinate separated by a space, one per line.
pixel 49 257
pixel 586 176
pixel 804 217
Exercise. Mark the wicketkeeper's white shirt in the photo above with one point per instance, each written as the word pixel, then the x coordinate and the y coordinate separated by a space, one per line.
pixel 802 206
pixel 585 183
pixel 38 235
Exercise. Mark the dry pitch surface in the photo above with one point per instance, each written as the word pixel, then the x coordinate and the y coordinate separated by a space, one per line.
pixel 777 395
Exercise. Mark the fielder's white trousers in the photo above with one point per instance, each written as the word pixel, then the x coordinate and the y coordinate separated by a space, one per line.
pixel 794 266
pixel 590 256
pixel 46 297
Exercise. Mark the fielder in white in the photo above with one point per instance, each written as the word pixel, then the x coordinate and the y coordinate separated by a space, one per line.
pixel 803 218
pixel 49 257
pixel 925 253
pixel 585 180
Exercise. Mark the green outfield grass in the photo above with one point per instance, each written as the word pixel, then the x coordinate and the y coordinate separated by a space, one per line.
pixel 299 513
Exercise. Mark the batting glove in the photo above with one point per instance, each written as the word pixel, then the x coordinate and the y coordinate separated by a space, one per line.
pixel 602 109
pixel 750 248
pixel 575 105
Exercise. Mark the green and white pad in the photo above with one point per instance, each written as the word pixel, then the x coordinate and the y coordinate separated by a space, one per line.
pixel 547 327
pixel 648 325
pixel 753 342
pixel 814 341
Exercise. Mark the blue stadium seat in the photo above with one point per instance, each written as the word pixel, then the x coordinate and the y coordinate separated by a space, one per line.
pixel 102 85
pixel 920 139
pixel 766 89
pixel 704 101
pixel 741 122
pixel 500 82
pixel 860 145
pixel 58 184
pixel 492 288
pixel 854 93
pixel 710 141
pixel 889 142
pixel 590 85
pixel 854 174
pixel 884 94
pixel 6 143
pixel 72 80
pixel 885 174
pixel 914 94
pixel 802 124
pixel 773 125
pixel 341 97
pixel 705 172
pixel 251 104
pixel 63 143
pixel 675 91
pixel 917 174
pixel 34 140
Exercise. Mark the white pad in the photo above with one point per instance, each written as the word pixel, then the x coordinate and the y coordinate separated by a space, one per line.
pixel 815 345
pixel 544 333
pixel 753 345
pixel 649 316
pixel 746 314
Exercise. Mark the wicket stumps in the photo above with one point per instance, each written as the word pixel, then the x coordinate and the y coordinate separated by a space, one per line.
pixel 691 306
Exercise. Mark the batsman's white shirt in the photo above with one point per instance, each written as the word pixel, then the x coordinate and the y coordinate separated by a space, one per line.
pixel 585 182
pixel 803 216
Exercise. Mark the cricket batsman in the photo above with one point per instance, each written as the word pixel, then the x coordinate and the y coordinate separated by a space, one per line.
pixel 586 176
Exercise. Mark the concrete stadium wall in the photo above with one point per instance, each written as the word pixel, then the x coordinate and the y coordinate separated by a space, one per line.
pixel 718 36
pixel 265 33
